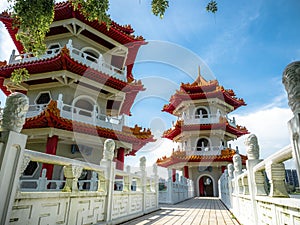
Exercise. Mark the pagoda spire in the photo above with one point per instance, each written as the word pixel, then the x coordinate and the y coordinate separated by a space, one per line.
pixel 200 79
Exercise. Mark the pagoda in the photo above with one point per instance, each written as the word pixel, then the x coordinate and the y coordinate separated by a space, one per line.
pixel 203 130
pixel 80 91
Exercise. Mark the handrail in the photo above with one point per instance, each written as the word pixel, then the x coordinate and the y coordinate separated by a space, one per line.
pixel 61 161
pixel 280 156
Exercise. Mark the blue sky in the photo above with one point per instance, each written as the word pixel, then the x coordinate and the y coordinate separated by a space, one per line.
pixel 245 45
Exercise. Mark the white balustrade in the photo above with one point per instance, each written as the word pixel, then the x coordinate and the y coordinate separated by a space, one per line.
pixel 89 201
pixel 81 115
pixel 98 64
pixel 209 150
pixel 176 191
pixel 262 190
pixel 206 119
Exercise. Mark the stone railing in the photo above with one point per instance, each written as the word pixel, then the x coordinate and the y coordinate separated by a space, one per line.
pixel 172 192
pixel 98 64
pixel 209 150
pixel 207 119
pixel 82 115
pixel 259 194
pixel 102 202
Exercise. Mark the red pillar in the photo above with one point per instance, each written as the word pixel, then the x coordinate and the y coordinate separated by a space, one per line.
pixel 120 159
pixel 173 175
pixel 51 148
pixel 186 171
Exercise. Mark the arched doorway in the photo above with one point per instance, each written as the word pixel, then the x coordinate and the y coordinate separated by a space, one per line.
pixel 206 186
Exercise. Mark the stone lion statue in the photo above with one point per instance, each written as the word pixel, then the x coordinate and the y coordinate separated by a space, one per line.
pixel 109 148
pixel 14 113
pixel 252 147
pixel 291 82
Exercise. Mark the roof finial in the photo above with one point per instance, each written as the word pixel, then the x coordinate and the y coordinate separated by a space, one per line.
pixel 199 75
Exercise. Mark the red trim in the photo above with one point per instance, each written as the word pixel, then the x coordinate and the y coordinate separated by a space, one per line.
pixel 63 61
pixel 180 157
pixel 180 127
pixel 223 95
pixel 50 117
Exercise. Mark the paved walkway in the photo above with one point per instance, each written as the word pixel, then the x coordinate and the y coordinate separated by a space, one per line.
pixel 204 211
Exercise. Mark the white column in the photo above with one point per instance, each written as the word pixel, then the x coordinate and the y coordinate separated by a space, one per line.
pixel 12 145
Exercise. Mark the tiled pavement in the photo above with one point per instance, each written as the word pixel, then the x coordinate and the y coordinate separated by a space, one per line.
pixel 199 210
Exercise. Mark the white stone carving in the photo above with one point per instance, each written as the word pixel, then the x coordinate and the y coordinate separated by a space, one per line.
pixel 109 148
pixel 291 81
pixel 230 170
pixel 252 147
pixel 143 163
pixel 14 113
pixel 237 163
pixel 72 173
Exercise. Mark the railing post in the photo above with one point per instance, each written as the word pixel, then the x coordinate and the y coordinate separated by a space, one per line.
pixel 42 183
pixel 60 102
pixel 12 56
pixel 144 179
pixel 106 162
pixel 291 81
pixel 12 145
pixel 170 187
pixel 156 178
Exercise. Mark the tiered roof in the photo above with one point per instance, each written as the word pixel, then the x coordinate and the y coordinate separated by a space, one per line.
pixel 180 156
pixel 63 61
pixel 64 10
pixel 202 89
pixel 50 117
pixel 222 125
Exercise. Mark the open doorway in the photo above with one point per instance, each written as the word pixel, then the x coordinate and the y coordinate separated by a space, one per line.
pixel 206 186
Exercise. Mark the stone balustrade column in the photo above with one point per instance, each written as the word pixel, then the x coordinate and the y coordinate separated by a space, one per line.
pixel 12 144
pixel 156 180
pixel 276 175
pixel 144 180
pixel 109 174
pixel 72 173
pixel 291 81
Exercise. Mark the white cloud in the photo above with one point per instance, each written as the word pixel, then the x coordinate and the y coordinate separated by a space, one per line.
pixel 270 127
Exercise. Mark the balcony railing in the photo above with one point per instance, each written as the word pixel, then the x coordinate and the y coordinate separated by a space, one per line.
pixel 82 115
pixel 98 64
pixel 209 150
pixel 207 119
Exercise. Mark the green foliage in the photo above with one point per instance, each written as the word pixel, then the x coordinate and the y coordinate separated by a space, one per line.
pixel 19 75
pixel 33 18
pixel 212 7
pixel 159 7
pixel 93 9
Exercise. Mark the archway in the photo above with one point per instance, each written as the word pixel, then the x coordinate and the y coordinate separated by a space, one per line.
pixel 206 186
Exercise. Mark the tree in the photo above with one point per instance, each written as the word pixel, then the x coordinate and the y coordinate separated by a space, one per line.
pixel 33 29
pixel 33 26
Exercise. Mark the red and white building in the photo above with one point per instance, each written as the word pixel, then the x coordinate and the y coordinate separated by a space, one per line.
pixel 203 130
pixel 80 90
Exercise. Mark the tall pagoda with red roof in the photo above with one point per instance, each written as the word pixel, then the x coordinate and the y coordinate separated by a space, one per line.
pixel 203 130
pixel 80 90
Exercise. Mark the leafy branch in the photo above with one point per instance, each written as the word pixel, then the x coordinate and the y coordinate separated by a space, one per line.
pixel 19 75
pixel 34 17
